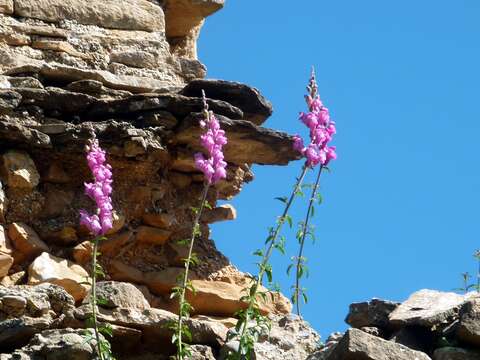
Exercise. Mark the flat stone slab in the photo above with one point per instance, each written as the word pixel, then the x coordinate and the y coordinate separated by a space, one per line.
pixel 428 308
pixel 125 14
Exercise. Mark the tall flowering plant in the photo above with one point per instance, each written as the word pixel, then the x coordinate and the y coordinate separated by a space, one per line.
pixel 213 166
pixel 99 223
pixel 318 153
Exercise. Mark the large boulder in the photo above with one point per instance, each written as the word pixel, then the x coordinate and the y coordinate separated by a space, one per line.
pixel 114 294
pixel 428 308
pixel 370 313
pixel 358 345
pixel 26 241
pixel 468 330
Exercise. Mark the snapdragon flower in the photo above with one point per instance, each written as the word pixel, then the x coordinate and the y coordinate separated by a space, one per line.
pixel 321 130
pixel 99 191
pixel 213 140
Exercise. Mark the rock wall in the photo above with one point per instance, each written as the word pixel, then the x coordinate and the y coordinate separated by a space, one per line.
pixel 428 325
pixel 128 70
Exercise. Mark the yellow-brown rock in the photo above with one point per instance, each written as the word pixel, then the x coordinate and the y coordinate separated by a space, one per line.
pixel 111 246
pixel 152 235
pixel 82 253
pixel 26 240
pixel 118 223
pixel 20 170
pixel 56 174
pixel 58 271
pixel 162 220
pixel 6 262
pixel 6 6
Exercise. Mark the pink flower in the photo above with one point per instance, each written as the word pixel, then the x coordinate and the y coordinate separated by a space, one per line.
pixel 213 140
pixel 321 129
pixel 99 191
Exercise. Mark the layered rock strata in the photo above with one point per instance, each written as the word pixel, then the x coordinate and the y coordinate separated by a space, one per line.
pixel 128 70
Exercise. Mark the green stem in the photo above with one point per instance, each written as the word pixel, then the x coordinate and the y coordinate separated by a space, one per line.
pixel 94 298
pixel 302 241
pixel 265 260
pixel 185 277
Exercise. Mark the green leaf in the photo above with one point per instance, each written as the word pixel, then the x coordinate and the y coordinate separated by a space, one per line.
pixel 283 199
pixel 289 268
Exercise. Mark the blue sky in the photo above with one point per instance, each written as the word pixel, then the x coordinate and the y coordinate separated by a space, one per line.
pixel 401 79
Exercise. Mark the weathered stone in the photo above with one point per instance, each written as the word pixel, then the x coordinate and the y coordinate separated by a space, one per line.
pixel 9 101
pixel 152 235
pixel 17 278
pixel 5 243
pixel 221 213
pixel 247 143
pixel 254 106
pixel 116 294
pixel 118 223
pixel 60 46
pixel 114 242
pixel 25 81
pixel 372 313
pixel 57 174
pixel 6 262
pixel 176 253
pixel 162 220
pixel 415 337
pixel 57 344
pixel 26 240
pixel 82 253
pixel 129 14
pixel 201 352
pixel 3 205
pixel 57 202
pixel 65 236
pixel 6 6
pixel 13 305
pixel 455 353
pixel 427 308
pixel 183 15
pixel 356 345
pixel 20 170
pixel 468 330
pixel 58 271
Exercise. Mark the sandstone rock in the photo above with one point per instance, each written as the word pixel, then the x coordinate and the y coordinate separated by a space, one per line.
pixel 26 240
pixel 118 223
pixel 427 308
pixel 55 345
pixel 176 254
pixel 129 14
pixel 254 106
pixel 135 84
pixel 415 338
pixel 6 262
pixel 454 353
pixel 6 6
pixel 56 174
pixel 66 236
pixel 17 278
pixel 82 253
pixel 372 313
pixel 9 101
pixel 44 305
pixel 154 325
pixel 25 81
pixel 290 338
pixel 152 235
pixel 468 330
pixel 201 352
pixel 162 220
pixel 58 271
pixel 114 242
pixel 247 143
pixel 20 170
pixel 183 15
pixel 221 213
pixel 5 244
pixel 116 294
pixel 3 205
pixel 356 345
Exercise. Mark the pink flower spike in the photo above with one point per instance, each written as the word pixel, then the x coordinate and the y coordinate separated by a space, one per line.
pixel 99 191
